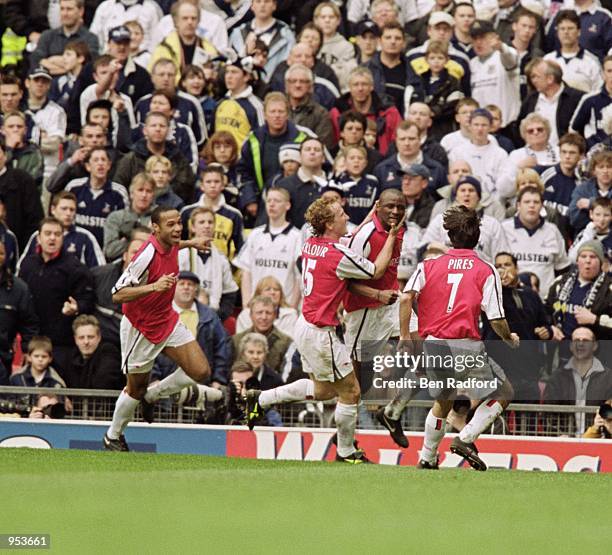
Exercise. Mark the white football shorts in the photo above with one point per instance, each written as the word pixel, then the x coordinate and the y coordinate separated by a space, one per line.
pixel 367 330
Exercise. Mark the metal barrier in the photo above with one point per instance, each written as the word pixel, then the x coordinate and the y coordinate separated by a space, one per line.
pixel 518 419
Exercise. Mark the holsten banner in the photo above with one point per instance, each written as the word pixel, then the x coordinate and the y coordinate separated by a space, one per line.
pixel 307 444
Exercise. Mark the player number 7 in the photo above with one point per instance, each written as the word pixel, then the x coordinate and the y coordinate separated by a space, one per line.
pixel 308 277
pixel 455 279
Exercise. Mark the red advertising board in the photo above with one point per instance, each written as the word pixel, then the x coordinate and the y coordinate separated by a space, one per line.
pixel 510 452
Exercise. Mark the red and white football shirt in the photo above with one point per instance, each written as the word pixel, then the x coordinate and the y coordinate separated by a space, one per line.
pixel 326 265
pixel 152 315
pixel 453 289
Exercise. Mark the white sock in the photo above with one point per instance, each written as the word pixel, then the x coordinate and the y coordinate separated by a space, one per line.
pixel 435 429
pixel 395 408
pixel 483 417
pixel 169 385
pixel 204 394
pixel 300 390
pixel 346 421
pixel 123 415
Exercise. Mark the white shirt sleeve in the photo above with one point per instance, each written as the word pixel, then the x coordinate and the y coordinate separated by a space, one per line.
pixel 360 243
pixel 417 280
pixel 353 265
pixel 561 258
pixel 244 258
pixel 228 283
pixel 137 271
pixel 492 303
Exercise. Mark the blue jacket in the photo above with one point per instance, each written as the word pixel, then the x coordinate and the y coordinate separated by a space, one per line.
pixel 11 247
pixel 360 195
pixel 386 173
pixel 580 218
pixel 213 339
pixel 589 111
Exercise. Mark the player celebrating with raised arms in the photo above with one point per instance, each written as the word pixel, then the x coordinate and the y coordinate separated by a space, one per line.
pixel 326 268
pixel 451 291
pixel 151 326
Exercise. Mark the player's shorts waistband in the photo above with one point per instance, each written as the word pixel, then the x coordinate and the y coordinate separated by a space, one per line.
pixel 303 320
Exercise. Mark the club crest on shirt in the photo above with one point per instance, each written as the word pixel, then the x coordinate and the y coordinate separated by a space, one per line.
pixel 106 208
pixel 593 28
pixel 71 248
pixel 390 176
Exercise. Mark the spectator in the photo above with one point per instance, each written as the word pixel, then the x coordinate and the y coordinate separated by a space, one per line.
pixel 182 46
pixel 211 267
pixel 482 153
pixel 366 38
pixel 494 71
pixel 352 126
pixel 583 380
pixel 48 116
pixel 588 119
pixel 11 93
pixel 97 196
pixel 112 13
pixel 598 229
pixel 363 98
pixel 155 142
pixel 435 88
pixel 259 163
pixel 439 28
pixel 93 364
pixel 527 41
pixel 537 244
pixel 38 371
pixel 337 52
pixel 61 286
pixel 272 250
pixel 240 111
pixel 179 134
pixel 228 220
pixel 119 224
pixel 195 83
pixel 419 201
pixel 52 42
pixel 526 316
pixel 280 346
pixel 538 151
pixel 584 295
pixel 305 186
pixel 108 313
pixel 74 57
pixel 304 110
pixel 468 192
pixel 360 190
pixel 17 314
pixel 421 114
pixel 77 240
pixel 21 199
pixel 463 113
pixel 205 326
pixel 465 15
pixel 602 425
pixel 408 144
pixel 496 130
pixel 276 34
pixel 599 186
pixel 8 239
pixel 581 69
pixel 73 167
pixel 160 169
pixel 188 109
pixel 595 28
pixel 553 100
pixel 561 179
pixel 138 52
pixel 22 154
pixel 389 66
pixel 223 150
pixel 510 14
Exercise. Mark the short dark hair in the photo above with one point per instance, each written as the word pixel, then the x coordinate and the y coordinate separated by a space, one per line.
pixel 40 343
pixel 463 226
pixel 63 195
pixel 172 98
pixel 49 220
pixel 80 48
pixel 509 255
pixel 567 15
pixel 100 104
pixel 353 115
pixel 602 202
pixel 157 213
pixel 102 61
pixel 573 139
pixel 529 189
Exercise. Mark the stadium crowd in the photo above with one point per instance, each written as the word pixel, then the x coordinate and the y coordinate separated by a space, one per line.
pixel 241 113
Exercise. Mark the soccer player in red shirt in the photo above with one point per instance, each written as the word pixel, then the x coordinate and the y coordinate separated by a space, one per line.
pixel 451 291
pixel 326 268
pixel 151 326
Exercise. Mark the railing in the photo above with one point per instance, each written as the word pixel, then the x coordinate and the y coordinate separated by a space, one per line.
pixel 518 419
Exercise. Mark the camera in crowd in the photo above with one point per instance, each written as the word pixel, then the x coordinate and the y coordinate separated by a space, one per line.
pixel 24 410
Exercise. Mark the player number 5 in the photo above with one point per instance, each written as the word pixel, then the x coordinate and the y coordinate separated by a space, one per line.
pixel 308 277
pixel 455 279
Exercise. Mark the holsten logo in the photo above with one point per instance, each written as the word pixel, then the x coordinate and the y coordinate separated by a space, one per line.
pixel 554 456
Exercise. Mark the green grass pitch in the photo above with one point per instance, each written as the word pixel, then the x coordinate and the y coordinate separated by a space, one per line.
pixel 120 503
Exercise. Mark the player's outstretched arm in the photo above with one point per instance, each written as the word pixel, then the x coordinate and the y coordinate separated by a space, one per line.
pixel 198 243
pixel 501 328
pixel 133 293
pixel 405 313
